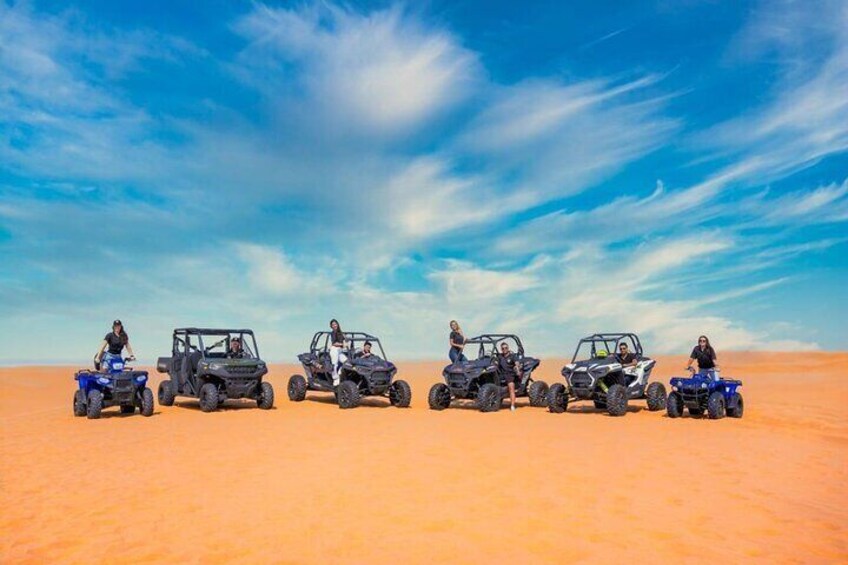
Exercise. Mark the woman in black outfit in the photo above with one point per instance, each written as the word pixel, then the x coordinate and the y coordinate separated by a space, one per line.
pixel 457 343
pixel 706 357
pixel 114 343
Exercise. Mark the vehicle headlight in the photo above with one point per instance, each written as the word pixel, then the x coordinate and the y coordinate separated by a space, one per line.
pixel 103 380
pixel 215 366
pixel 140 379
pixel 600 370
pixel 674 388
pixel 260 366
pixel 703 385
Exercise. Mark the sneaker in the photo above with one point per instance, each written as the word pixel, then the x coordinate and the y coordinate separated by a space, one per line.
pixel 512 407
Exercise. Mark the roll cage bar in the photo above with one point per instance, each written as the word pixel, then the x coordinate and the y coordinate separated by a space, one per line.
pixel 182 335
pixel 610 341
pixel 321 342
pixel 493 339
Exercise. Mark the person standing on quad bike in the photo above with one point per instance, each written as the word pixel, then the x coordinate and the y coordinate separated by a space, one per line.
pixel 457 343
pixel 114 343
pixel 706 357
pixel 624 356
pixel 510 368
pixel 236 351
pixel 337 357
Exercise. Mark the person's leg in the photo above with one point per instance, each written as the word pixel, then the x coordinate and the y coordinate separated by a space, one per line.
pixel 453 355
pixel 462 357
pixel 511 387
pixel 334 359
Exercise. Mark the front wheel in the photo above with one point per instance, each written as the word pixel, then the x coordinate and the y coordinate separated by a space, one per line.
pixel 297 388
pixel 400 394
pixel 79 403
pixel 166 393
pixel 656 397
pixel 557 399
pixel 715 406
pixel 208 397
pixel 439 397
pixel 489 398
pixel 617 400
pixel 538 393
pixel 674 406
pixel 94 406
pixel 266 396
pixel 736 406
pixel 348 394
pixel 146 402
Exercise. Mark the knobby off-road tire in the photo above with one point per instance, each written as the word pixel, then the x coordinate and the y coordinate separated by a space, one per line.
pixel 348 395
pixel 147 402
pixel 656 397
pixel 297 388
pixel 715 406
pixel 738 406
pixel 208 397
pixel 674 406
pixel 400 394
pixel 79 403
pixel 166 393
pixel 127 409
pixel 538 393
pixel 265 400
pixel 489 398
pixel 439 397
pixel 617 400
pixel 557 399
pixel 94 406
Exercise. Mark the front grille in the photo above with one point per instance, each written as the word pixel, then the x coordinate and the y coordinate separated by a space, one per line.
pixel 581 380
pixel 380 377
pixel 241 369
pixel 123 385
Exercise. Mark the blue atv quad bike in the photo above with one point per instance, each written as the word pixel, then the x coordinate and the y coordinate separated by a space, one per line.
pixel 702 393
pixel 115 384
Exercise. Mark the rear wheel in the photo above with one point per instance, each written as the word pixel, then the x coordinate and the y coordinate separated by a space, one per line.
pixel 79 403
pixel 738 406
pixel 617 400
pixel 166 393
pixel 656 396
pixel 94 406
pixel 538 393
pixel 297 388
pixel 489 398
pixel 265 401
pixel 557 399
pixel 674 406
pixel 146 402
pixel 208 397
pixel 400 394
pixel 439 397
pixel 715 406
pixel 127 409
pixel 348 394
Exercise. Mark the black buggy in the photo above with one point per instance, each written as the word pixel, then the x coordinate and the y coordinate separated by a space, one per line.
pixel 480 380
pixel 202 366
pixel 596 374
pixel 359 375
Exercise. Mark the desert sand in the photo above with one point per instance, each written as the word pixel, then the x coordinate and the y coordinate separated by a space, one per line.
pixel 307 482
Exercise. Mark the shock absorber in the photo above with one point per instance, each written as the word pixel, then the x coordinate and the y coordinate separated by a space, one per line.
pixel 603 386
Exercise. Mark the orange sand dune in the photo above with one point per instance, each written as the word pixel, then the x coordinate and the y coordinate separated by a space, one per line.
pixel 311 483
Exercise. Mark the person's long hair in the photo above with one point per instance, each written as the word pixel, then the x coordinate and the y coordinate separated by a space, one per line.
pixel 708 348
pixel 458 329
pixel 123 334
pixel 338 325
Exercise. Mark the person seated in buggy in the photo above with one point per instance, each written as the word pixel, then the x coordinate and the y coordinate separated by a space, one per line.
pixel 366 351
pixel 509 367
pixel 624 356
pixel 236 351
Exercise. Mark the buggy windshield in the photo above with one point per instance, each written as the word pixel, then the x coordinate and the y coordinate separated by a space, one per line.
pixel 354 343
pixel 490 344
pixel 220 345
pixel 603 346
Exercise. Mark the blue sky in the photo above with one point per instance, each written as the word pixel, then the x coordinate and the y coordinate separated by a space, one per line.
pixel 550 169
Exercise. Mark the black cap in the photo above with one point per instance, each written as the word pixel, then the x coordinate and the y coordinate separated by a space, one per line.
pixel 117 323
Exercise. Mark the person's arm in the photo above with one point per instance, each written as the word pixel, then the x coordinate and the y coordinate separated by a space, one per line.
pixel 130 349
pixel 715 360
pixel 689 364
pixel 103 345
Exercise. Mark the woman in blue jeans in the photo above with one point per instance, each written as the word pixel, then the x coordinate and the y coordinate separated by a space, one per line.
pixel 705 356
pixel 114 343
pixel 457 343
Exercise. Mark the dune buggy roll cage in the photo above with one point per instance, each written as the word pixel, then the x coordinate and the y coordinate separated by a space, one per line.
pixel 182 335
pixel 321 342
pixel 610 341
pixel 493 339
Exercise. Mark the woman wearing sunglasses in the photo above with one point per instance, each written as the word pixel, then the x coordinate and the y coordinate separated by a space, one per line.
pixel 705 355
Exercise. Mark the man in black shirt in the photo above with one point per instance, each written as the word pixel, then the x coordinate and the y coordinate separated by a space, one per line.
pixel 236 351
pixel 624 356
pixel 509 366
